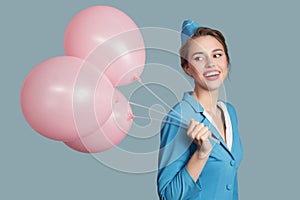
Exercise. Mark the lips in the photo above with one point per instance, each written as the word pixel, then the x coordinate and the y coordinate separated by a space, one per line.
pixel 212 75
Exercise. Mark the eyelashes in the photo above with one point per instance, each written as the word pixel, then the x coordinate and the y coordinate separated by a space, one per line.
pixel 218 55
pixel 202 58
pixel 199 58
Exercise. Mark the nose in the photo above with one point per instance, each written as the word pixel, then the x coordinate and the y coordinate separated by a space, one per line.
pixel 210 62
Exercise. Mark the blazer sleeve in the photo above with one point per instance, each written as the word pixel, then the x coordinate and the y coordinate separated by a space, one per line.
pixel 173 180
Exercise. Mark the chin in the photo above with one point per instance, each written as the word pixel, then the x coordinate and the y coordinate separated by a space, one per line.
pixel 212 89
pixel 210 86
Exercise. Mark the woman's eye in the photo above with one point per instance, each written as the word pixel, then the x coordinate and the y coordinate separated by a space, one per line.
pixel 218 55
pixel 199 58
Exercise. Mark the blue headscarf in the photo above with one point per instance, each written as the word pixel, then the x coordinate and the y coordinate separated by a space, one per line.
pixel 188 29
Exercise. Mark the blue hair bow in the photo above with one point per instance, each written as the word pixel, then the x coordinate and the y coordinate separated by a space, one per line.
pixel 188 29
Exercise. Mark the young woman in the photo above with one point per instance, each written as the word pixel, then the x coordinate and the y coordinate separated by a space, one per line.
pixel 200 149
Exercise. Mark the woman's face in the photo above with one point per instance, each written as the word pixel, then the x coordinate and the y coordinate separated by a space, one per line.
pixel 207 63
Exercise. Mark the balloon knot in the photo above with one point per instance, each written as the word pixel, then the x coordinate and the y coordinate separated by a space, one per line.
pixel 130 116
pixel 136 77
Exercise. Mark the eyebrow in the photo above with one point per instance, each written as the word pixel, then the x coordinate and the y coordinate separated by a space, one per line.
pixel 200 52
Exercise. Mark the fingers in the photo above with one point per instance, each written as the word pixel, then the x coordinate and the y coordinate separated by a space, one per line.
pixel 202 134
pixel 191 127
pixel 204 145
pixel 199 128
pixel 198 131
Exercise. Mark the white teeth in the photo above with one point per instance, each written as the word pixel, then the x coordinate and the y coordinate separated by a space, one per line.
pixel 212 74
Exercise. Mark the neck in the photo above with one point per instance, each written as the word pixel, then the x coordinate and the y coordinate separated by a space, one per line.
pixel 208 99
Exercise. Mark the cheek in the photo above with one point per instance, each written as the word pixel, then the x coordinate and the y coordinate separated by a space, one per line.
pixel 197 69
pixel 222 63
pixel 191 69
pixel 225 71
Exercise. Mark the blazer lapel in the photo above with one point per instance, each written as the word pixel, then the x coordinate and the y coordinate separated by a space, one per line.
pixel 216 134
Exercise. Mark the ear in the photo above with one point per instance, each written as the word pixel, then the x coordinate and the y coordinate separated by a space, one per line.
pixel 187 69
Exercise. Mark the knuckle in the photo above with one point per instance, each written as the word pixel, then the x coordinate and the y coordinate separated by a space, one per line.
pixel 209 133
pixel 188 133
pixel 198 136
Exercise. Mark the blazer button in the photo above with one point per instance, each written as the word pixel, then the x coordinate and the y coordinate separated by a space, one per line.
pixel 229 187
pixel 232 162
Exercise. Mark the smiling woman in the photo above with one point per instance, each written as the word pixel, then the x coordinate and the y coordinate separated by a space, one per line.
pixel 192 165
pixel 206 61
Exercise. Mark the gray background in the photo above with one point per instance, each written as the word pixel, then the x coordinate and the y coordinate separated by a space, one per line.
pixel 263 39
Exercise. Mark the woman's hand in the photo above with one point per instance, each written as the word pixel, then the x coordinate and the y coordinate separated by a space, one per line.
pixel 200 135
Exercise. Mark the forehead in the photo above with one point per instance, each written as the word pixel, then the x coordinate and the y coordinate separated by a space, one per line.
pixel 205 44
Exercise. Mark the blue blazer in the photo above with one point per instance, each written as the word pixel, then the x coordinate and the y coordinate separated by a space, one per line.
pixel 218 180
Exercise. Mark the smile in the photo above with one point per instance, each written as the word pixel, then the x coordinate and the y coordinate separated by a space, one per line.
pixel 211 74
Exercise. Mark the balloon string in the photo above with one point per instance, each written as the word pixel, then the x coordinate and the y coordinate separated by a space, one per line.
pixel 146 107
pixel 212 137
pixel 152 109
pixel 156 96
pixel 165 121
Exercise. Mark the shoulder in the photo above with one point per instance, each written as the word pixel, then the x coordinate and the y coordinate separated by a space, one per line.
pixel 174 126
pixel 178 117
pixel 185 110
pixel 180 111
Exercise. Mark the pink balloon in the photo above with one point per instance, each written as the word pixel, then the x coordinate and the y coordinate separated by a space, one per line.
pixel 103 100
pixel 109 39
pixel 91 78
pixel 111 133
pixel 121 58
pixel 52 91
